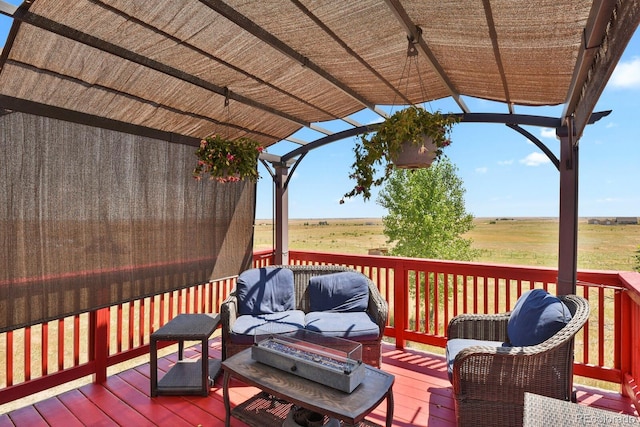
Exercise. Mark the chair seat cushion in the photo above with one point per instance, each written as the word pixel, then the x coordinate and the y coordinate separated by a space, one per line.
pixel 265 290
pixel 536 317
pixel 345 291
pixel 355 325
pixel 456 345
pixel 245 327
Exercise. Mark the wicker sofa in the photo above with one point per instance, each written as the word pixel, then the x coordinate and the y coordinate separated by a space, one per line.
pixel 377 309
pixel 489 383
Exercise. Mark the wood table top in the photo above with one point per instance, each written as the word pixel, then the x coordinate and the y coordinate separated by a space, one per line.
pixel 351 407
pixel 188 327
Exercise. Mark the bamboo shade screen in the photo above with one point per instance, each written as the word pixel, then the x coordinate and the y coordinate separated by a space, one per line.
pixel 92 217
pixel 170 65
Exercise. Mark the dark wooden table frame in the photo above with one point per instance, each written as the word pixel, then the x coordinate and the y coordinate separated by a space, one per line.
pixel 351 408
pixel 185 377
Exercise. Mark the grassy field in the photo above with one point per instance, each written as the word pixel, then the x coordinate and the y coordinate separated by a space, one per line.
pixel 514 241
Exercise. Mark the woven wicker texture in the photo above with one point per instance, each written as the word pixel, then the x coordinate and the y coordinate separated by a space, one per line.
pixel 542 411
pixel 489 383
pixel 283 65
pixel 378 309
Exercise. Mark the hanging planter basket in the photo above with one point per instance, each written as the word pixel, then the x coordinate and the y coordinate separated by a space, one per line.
pixel 416 156
pixel 225 160
pixel 422 133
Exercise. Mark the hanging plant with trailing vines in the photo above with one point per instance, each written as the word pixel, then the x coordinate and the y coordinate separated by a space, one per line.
pixel 225 160
pixel 379 149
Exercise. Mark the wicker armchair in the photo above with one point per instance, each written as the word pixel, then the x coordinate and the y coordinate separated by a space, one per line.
pixel 489 383
pixel 377 309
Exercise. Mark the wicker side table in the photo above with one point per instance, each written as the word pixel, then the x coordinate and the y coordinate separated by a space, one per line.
pixel 186 376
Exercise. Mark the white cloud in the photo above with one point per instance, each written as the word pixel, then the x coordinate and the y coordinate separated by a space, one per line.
pixel 627 74
pixel 535 159
pixel 505 162
pixel 611 125
pixel 483 169
pixel 548 133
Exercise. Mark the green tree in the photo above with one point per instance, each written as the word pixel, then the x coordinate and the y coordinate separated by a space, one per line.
pixel 426 213
pixel 637 266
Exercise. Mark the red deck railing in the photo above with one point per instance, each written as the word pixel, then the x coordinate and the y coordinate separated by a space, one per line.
pixel 423 296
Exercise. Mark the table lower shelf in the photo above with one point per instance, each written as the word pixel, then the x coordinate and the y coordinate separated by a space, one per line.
pixel 264 410
pixel 185 377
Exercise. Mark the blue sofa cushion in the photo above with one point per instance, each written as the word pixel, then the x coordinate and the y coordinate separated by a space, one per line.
pixel 355 325
pixel 345 291
pixel 456 345
pixel 265 290
pixel 245 327
pixel 536 317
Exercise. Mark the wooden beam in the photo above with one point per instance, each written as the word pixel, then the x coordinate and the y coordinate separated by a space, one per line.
pixel 622 23
pixel 89 40
pixel 44 110
pixel 414 33
pixel 251 27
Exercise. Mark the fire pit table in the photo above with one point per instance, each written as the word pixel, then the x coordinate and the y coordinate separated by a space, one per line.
pixel 283 390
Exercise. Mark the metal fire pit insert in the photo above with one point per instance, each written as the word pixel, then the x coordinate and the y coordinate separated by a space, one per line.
pixel 331 361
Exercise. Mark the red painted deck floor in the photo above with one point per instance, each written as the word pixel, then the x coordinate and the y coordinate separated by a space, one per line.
pixel 422 395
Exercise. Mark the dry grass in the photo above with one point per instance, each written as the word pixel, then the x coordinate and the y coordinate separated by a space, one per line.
pixel 518 241
pixel 349 236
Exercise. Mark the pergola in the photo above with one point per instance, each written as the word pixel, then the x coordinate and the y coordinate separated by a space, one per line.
pixel 182 70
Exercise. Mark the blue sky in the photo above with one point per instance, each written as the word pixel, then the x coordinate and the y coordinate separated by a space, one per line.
pixel 503 173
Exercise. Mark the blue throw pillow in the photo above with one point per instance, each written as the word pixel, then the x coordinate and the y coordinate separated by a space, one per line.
pixel 344 291
pixel 265 290
pixel 536 317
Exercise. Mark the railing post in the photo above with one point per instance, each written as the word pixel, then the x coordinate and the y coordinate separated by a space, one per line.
pixel 399 305
pixel 630 350
pixel 629 319
pixel 625 336
pixel 99 322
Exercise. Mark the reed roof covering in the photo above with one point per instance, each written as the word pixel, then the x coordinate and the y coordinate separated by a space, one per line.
pixel 187 69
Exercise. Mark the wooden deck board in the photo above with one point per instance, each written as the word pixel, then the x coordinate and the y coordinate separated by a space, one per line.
pixel 116 409
pixel 422 396
pixel 55 412
pixel 85 410
pixel 27 416
pixel 140 402
pixel 5 421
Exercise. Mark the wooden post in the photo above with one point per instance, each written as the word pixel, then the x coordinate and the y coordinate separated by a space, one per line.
pixel 281 202
pixel 568 232
pixel 99 322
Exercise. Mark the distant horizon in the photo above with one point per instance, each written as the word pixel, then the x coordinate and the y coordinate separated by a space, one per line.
pixel 475 217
